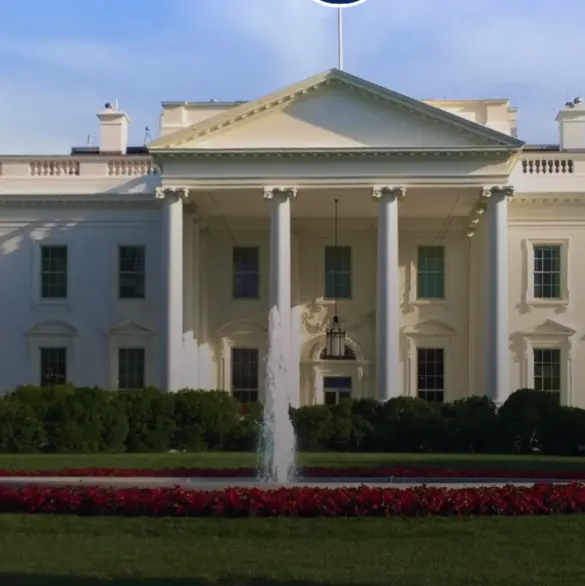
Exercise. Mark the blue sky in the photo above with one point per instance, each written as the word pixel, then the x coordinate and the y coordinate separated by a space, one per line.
pixel 61 60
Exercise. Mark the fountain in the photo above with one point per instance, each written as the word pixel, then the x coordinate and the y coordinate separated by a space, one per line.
pixel 277 447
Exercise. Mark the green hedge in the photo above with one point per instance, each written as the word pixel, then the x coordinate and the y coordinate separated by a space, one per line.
pixel 67 419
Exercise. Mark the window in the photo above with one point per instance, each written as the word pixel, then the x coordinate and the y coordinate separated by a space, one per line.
pixel 547 271
pixel 431 272
pixel 130 369
pixel 547 370
pixel 336 389
pixel 246 272
pixel 54 272
pixel 431 374
pixel 131 272
pixel 245 366
pixel 338 272
pixel 53 366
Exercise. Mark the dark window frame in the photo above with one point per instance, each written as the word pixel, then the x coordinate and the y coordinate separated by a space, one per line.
pixel 246 281
pixel 127 353
pixel 245 386
pixel 139 275
pixel 54 280
pixel 338 272
pixel 53 365
pixel 430 374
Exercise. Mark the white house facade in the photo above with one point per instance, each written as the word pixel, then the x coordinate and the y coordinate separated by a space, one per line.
pixel 454 268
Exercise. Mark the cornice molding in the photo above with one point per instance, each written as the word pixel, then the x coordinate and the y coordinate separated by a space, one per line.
pixel 474 152
pixel 351 83
pixel 539 200
pixel 65 202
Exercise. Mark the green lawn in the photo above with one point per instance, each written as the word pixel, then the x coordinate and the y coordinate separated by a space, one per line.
pixel 73 551
pixel 236 460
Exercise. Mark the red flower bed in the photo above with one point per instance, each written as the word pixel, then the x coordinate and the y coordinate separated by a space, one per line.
pixel 298 502
pixel 316 472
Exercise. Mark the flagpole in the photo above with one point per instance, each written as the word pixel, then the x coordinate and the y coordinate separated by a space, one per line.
pixel 340 38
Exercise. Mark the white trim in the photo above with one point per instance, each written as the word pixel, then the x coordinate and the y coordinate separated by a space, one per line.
pixel 528 277
pixel 131 335
pixel 413 272
pixel 357 369
pixel 240 333
pixel 561 341
pixel 431 341
pixel 50 334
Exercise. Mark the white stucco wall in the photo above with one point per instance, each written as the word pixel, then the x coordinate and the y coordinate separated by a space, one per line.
pixel 92 308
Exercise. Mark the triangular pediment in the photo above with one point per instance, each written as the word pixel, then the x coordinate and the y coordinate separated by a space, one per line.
pixel 129 328
pixel 52 328
pixel 431 327
pixel 335 110
pixel 549 327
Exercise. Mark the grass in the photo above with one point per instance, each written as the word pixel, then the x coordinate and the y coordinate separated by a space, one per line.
pixel 236 460
pixel 73 551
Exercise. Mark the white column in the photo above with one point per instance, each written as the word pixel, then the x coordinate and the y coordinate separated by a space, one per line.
pixel 497 327
pixel 389 379
pixel 296 326
pixel 280 269
pixel 172 292
pixel 191 223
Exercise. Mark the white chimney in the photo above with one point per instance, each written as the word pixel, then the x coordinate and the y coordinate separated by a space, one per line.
pixel 113 130
pixel 571 121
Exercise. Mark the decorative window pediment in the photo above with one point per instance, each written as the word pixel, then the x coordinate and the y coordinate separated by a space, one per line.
pixel 52 328
pixel 549 327
pixel 130 328
pixel 429 327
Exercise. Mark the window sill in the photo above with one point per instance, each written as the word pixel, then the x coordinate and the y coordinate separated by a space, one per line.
pixel 328 301
pixel 53 302
pixel 425 302
pixel 547 302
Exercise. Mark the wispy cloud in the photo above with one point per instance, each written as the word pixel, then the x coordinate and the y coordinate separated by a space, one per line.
pixel 55 75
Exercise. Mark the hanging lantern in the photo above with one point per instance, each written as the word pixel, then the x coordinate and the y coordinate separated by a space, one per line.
pixel 335 340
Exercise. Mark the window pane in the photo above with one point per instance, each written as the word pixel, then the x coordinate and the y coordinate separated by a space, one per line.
pixel 131 272
pixel 547 370
pixel 245 374
pixel 130 368
pixel 338 272
pixel 547 272
pixel 246 272
pixel 431 374
pixel 431 272
pixel 54 272
pixel 336 389
pixel 53 366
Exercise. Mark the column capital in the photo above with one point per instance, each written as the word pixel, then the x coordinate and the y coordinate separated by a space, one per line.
pixel 391 191
pixel 284 192
pixel 489 191
pixel 168 191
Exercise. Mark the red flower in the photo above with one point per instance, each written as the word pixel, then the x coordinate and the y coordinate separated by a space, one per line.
pixel 544 499
pixel 311 472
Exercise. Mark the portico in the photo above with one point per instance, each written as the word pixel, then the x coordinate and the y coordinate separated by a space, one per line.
pixel 264 178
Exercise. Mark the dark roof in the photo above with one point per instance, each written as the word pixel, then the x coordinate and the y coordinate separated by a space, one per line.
pixel 131 150
pixel 541 147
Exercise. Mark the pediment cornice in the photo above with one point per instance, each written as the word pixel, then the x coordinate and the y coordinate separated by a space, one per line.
pixel 353 84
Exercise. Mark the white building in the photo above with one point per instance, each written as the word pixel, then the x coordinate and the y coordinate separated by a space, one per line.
pixel 459 249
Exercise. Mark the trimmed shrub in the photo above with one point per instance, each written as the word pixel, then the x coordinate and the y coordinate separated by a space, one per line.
pixel 68 419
